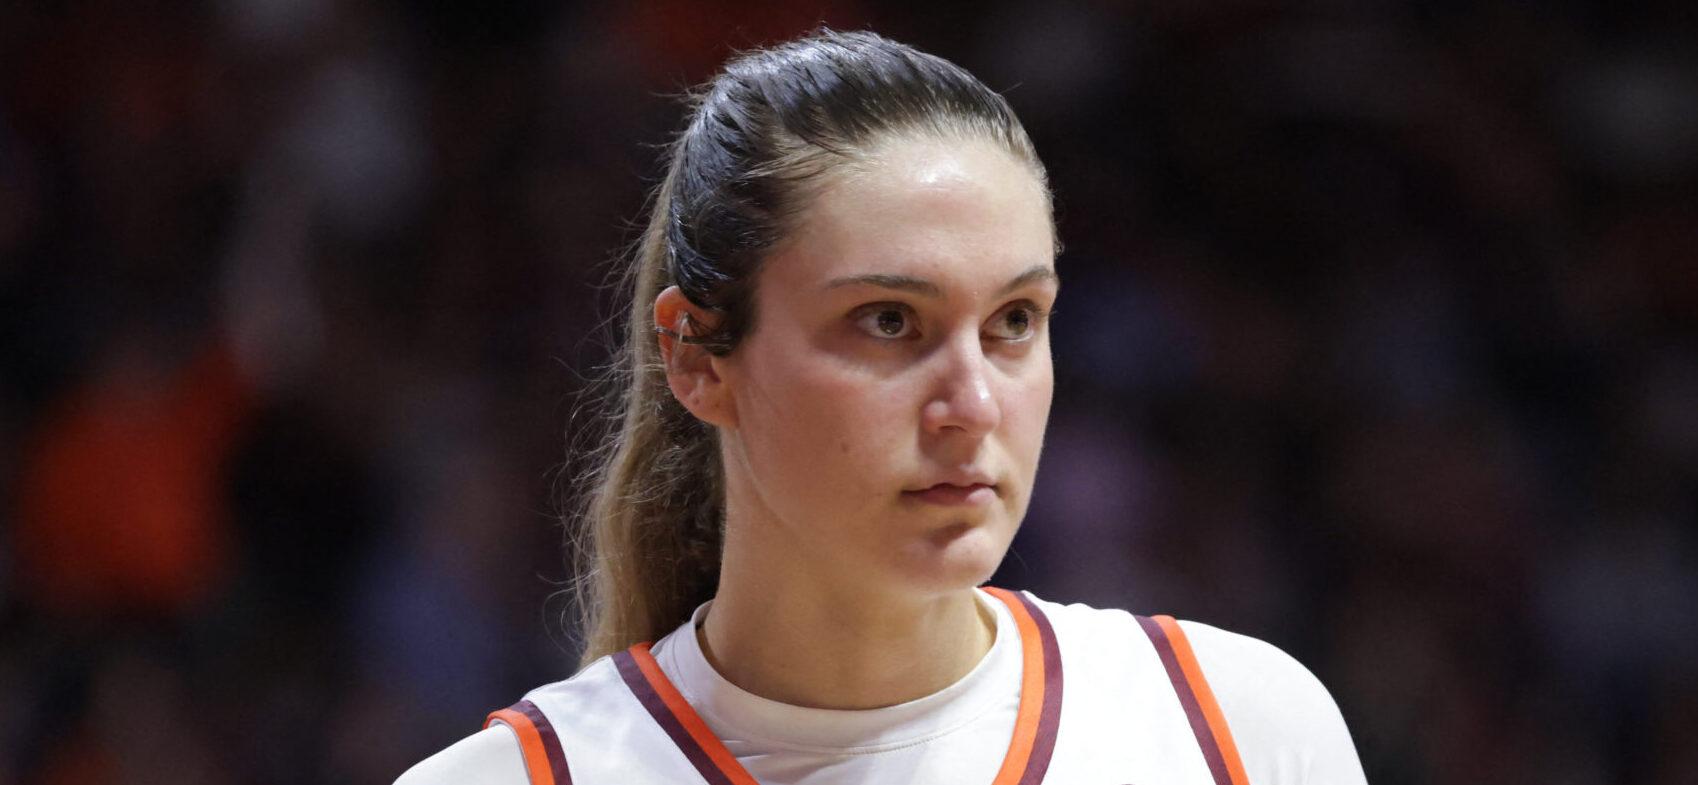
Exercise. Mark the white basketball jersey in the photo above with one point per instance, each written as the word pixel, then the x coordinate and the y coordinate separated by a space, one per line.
pixel 622 721
pixel 1105 698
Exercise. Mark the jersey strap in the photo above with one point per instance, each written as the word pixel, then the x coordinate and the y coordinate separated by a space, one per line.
pixel 706 752
pixel 545 762
pixel 1028 751
pixel 1209 725
pixel 1040 694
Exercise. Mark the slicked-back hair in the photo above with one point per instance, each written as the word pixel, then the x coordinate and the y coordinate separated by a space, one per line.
pixel 763 137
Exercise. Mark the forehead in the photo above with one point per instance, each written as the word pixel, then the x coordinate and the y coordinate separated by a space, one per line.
pixel 965 214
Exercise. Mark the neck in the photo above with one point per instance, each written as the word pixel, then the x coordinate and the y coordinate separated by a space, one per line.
pixel 789 634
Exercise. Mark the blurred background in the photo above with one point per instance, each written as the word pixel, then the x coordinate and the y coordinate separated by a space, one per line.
pixel 1376 341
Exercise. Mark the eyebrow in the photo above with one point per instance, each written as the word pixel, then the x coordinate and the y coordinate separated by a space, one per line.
pixel 923 287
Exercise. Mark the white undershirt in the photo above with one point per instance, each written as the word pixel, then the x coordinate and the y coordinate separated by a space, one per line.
pixel 941 737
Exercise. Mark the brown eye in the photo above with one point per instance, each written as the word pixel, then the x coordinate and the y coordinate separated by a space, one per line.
pixel 1016 323
pixel 886 321
pixel 891 323
pixel 1019 321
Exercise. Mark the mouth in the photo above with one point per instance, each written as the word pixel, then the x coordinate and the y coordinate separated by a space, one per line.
pixel 951 495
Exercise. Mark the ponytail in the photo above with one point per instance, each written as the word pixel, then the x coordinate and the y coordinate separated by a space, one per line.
pixel 763 134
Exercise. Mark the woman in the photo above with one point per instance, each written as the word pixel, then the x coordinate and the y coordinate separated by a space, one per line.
pixel 838 376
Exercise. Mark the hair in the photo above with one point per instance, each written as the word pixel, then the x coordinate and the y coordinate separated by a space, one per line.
pixel 763 137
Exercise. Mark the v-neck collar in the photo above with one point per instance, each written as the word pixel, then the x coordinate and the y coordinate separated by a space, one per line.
pixel 1024 763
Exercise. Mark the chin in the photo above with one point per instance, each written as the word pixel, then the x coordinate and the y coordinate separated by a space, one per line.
pixel 953 558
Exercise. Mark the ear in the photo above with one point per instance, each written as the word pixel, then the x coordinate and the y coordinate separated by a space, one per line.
pixel 695 375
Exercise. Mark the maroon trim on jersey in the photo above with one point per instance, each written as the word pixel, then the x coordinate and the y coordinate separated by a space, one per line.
pixel 536 734
pixel 550 741
pixel 1187 699
pixel 1043 745
pixel 651 700
pixel 657 694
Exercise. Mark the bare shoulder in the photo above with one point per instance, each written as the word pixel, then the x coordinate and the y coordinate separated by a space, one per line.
pixel 1286 724
pixel 489 757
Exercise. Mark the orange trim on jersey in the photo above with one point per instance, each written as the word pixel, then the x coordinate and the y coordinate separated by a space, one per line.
pixel 687 717
pixel 1029 751
pixel 1205 698
pixel 530 743
pixel 1031 690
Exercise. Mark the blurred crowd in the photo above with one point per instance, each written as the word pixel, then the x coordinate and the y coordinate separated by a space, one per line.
pixel 1376 340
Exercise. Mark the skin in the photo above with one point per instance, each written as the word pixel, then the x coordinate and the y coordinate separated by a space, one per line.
pixel 839 587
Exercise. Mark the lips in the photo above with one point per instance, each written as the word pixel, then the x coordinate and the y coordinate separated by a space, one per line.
pixel 955 494
pixel 955 485
pixel 966 478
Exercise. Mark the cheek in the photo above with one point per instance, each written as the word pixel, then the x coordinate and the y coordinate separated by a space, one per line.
pixel 1028 413
pixel 821 426
pixel 856 421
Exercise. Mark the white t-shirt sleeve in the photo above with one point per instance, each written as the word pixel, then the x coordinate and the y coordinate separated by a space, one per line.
pixel 1287 727
pixel 489 757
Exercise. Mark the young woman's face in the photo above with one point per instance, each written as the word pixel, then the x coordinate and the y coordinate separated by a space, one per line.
pixel 890 401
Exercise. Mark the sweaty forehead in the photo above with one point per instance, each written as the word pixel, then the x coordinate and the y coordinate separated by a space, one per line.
pixel 959 210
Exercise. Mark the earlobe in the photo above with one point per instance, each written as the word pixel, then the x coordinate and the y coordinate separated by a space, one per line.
pixel 691 370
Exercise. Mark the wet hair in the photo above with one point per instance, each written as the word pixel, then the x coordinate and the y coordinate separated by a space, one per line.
pixel 763 137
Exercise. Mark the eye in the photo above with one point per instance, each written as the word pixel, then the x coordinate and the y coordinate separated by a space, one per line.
pixel 888 321
pixel 1017 322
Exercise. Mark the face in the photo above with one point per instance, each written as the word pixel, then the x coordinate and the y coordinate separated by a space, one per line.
pixel 890 401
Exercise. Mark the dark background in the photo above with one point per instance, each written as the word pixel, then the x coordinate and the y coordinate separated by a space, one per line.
pixel 1376 341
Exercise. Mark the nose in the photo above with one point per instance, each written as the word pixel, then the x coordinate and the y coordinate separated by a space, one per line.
pixel 964 401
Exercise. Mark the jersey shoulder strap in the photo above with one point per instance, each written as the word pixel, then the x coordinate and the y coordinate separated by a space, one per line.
pixel 1207 722
pixel 545 761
